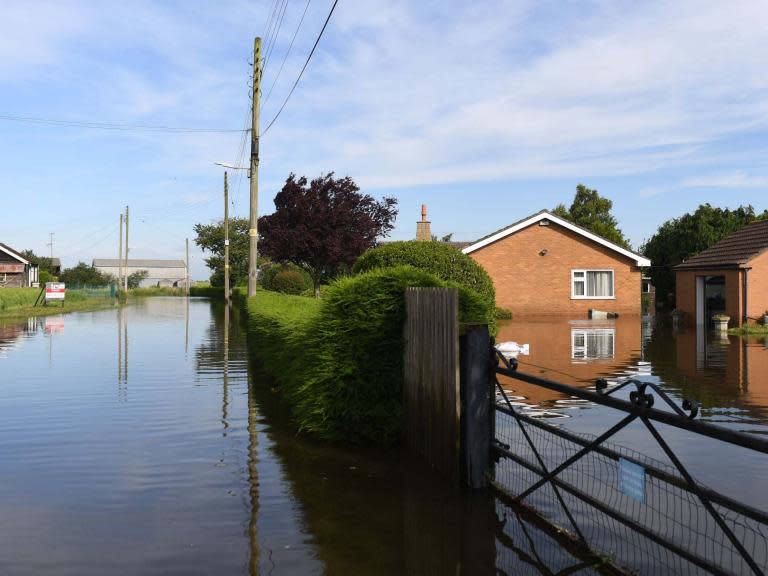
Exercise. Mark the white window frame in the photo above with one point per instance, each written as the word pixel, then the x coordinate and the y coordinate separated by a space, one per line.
pixel 584 271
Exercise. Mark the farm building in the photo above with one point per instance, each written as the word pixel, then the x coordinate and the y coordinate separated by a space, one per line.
pixel 167 273
pixel 15 270
pixel 728 278
pixel 545 265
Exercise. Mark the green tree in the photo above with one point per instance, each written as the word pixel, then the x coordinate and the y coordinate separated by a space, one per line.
pixel 85 275
pixel 42 262
pixel 680 238
pixel 135 278
pixel 593 212
pixel 210 237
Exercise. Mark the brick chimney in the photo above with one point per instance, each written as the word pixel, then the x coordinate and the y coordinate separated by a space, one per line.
pixel 423 228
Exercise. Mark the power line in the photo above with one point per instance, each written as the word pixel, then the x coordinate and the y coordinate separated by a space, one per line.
pixel 273 42
pixel 287 52
pixel 274 10
pixel 319 36
pixel 111 125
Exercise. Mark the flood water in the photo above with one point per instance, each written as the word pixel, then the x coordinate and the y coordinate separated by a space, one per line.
pixel 140 441
pixel 726 375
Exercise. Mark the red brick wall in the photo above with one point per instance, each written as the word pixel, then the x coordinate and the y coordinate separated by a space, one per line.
pixel 530 284
pixel 757 287
pixel 685 293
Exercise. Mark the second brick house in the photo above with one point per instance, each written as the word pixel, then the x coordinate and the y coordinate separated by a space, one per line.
pixel 545 265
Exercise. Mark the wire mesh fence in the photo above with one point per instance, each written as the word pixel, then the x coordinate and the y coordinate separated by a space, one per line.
pixel 86 291
pixel 667 523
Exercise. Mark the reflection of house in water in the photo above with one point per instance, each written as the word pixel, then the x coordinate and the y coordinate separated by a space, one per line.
pixel 720 370
pixel 576 352
pixel 12 334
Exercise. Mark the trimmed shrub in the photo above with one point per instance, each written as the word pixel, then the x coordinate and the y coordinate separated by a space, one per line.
pixel 339 361
pixel 438 258
pixel 268 273
pixel 289 282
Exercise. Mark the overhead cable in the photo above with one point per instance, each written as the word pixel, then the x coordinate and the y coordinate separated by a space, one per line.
pixel 287 52
pixel 296 83
pixel 110 125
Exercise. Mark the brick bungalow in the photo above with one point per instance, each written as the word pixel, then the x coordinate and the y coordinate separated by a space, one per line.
pixel 729 278
pixel 544 265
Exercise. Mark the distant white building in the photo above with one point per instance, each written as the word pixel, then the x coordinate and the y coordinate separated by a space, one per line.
pixel 159 272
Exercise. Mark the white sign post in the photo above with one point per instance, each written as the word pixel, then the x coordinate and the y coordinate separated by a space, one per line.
pixel 55 291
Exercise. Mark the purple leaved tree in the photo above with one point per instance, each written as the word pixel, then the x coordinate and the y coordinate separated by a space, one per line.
pixel 324 225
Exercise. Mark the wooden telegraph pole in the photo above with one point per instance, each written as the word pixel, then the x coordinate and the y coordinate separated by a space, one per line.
pixel 125 270
pixel 186 283
pixel 226 239
pixel 120 256
pixel 253 231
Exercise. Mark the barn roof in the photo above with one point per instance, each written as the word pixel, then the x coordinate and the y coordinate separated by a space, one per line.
pixel 735 251
pixel 138 263
pixel 547 215
pixel 11 252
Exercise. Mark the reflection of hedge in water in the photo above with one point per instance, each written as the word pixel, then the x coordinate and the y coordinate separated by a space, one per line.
pixel 339 361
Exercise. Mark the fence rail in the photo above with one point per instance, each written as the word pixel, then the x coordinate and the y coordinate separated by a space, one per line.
pixel 646 515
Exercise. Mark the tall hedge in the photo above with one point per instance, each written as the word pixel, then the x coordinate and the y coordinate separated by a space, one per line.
pixel 339 361
pixel 438 258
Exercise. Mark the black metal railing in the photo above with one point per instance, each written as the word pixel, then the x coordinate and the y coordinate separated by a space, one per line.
pixel 645 515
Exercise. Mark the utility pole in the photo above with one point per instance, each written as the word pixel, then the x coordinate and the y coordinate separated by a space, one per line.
pixel 253 231
pixel 186 283
pixel 125 270
pixel 50 244
pixel 120 256
pixel 226 239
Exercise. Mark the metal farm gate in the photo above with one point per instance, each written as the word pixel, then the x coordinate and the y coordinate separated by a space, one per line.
pixel 635 513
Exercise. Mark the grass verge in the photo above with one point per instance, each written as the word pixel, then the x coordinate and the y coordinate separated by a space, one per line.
pixel 19 303
pixel 207 291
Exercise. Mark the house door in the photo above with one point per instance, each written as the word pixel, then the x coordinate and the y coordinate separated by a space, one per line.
pixel 714 296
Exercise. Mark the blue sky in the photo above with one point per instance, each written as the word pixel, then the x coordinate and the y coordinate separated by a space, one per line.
pixel 486 111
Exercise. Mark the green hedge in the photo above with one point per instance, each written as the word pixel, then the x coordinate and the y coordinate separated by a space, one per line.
pixel 438 258
pixel 339 361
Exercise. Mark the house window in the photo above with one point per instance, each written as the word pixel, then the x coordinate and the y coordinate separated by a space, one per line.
pixel 586 284
pixel 592 344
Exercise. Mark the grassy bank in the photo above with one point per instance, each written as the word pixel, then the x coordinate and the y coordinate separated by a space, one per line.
pixel 338 362
pixel 19 303
pixel 206 291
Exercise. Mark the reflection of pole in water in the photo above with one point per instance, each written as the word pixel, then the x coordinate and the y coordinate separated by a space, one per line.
pixel 122 355
pixel 186 329
pixel 253 480
pixel 119 346
pixel 225 395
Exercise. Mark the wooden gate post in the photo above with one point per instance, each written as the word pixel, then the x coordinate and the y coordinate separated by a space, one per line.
pixel 477 397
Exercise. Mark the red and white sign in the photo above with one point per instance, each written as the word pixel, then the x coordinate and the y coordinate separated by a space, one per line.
pixel 11 268
pixel 54 291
